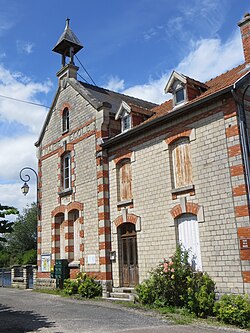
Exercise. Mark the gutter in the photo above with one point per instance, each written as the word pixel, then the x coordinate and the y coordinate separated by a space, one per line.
pixel 244 136
pixel 181 111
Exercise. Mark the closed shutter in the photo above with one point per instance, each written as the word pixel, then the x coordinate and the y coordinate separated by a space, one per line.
pixel 182 163
pixel 125 181
pixel 188 233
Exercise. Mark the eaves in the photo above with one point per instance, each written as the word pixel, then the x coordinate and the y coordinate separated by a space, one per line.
pixel 162 119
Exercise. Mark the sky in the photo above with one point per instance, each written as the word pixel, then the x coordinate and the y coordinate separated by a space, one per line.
pixel 130 46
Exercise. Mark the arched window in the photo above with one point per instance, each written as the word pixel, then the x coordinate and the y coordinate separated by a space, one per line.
pixel 74 218
pixel 60 236
pixel 65 120
pixel 181 163
pixel 66 171
pixel 124 180
pixel 188 237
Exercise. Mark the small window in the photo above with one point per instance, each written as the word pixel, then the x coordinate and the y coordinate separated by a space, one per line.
pixel 179 96
pixel 181 163
pixel 124 180
pixel 66 172
pixel 126 122
pixel 65 120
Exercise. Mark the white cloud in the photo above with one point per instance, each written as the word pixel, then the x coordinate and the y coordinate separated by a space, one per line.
pixel 115 84
pixel 210 58
pixel 16 85
pixel 24 46
pixel 207 59
pixel 17 149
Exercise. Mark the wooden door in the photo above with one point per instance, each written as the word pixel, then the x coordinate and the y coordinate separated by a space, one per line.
pixel 129 258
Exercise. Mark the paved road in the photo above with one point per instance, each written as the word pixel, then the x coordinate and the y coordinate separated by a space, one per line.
pixel 23 311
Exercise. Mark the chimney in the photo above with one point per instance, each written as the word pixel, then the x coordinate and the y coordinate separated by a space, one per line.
pixel 244 25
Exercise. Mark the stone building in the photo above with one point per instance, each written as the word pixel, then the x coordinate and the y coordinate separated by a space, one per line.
pixel 122 180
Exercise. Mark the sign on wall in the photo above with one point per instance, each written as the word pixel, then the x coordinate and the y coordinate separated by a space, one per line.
pixel 45 262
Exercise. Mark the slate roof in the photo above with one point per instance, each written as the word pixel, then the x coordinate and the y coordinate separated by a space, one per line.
pixel 104 95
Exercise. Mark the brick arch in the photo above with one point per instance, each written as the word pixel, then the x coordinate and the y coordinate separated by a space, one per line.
pixel 75 205
pixel 191 208
pixel 131 218
pixel 175 137
pixel 57 210
pixel 123 157
pixel 64 106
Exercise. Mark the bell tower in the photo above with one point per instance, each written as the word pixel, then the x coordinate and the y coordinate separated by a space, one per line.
pixel 68 45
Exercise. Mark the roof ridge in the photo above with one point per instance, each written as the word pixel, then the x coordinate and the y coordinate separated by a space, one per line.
pixel 120 94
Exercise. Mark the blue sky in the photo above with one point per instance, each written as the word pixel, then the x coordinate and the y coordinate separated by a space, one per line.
pixel 130 46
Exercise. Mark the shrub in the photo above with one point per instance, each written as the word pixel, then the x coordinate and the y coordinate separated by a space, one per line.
pixel 70 287
pixel 88 287
pixel 83 285
pixel 201 294
pixel 174 283
pixel 233 309
pixel 167 284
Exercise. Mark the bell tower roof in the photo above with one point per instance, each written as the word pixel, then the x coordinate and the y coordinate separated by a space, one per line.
pixel 67 42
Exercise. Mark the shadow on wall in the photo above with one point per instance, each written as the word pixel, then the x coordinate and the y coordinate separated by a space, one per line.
pixel 13 321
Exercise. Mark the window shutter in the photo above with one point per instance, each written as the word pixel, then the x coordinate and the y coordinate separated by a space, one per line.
pixel 125 181
pixel 182 167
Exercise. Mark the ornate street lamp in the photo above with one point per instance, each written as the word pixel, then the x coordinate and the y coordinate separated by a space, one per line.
pixel 26 178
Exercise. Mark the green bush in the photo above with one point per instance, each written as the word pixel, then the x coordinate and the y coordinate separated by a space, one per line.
pixel 70 287
pixel 89 288
pixel 84 285
pixel 167 284
pixel 233 309
pixel 201 294
pixel 174 283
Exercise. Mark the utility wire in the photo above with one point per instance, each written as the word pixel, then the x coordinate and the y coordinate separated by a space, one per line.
pixel 22 101
pixel 86 71
pixel 82 78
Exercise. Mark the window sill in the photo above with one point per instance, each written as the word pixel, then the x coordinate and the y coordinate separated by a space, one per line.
pixel 64 193
pixel 75 264
pixel 181 190
pixel 124 203
pixel 65 132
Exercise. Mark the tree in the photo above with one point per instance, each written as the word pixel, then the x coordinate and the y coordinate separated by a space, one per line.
pixel 22 242
pixel 5 225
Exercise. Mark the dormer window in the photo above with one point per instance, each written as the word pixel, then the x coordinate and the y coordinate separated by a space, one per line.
pixel 126 122
pixel 179 96
pixel 124 113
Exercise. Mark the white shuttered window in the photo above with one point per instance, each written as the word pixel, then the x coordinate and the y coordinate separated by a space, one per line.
pixel 188 235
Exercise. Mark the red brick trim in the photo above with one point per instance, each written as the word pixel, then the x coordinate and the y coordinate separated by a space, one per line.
pixel 71 206
pixel 58 210
pixel 104 260
pixel 104 230
pixel 245 254
pixel 102 174
pixel 100 275
pixel 55 238
pixel 69 248
pixel 177 136
pixel 43 275
pixel 104 245
pixel 232 131
pixel 244 232
pixel 103 202
pixel 241 211
pixel 234 150
pixel 131 218
pixel 239 190
pixel 69 147
pixel 103 216
pixel 236 170
pixel 55 249
pixel 64 106
pixel 246 276
pixel 123 157
pixel 75 205
pixel 102 187
pixel 191 208
pixel 81 233
pixel 73 272
pixel 69 235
